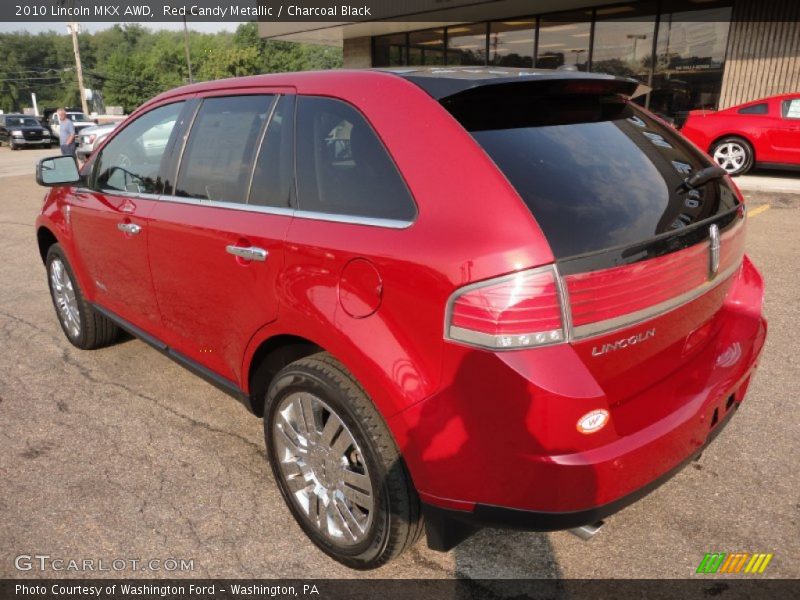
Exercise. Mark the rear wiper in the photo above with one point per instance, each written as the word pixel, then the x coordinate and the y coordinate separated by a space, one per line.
pixel 702 177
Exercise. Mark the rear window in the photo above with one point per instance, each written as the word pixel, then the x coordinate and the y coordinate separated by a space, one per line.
pixel 596 172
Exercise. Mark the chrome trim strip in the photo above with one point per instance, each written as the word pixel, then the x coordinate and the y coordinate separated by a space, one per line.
pixel 589 330
pixel 492 342
pixel 566 307
pixel 270 210
pixel 353 220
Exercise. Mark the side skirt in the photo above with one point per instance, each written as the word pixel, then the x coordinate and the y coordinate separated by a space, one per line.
pixel 219 382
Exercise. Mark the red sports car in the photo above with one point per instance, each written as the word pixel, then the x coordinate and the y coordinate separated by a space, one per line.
pixel 764 132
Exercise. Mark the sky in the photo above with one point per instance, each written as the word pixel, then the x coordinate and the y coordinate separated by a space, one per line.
pixel 92 27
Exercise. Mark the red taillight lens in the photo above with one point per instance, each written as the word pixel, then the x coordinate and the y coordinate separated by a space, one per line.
pixel 515 311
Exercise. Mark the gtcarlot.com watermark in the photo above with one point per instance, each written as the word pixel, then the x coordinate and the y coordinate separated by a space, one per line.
pixel 45 562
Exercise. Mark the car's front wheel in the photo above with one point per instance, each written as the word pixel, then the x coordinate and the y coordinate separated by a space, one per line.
pixel 83 325
pixel 733 154
pixel 337 465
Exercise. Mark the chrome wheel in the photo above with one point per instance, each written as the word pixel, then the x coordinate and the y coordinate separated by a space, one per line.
pixel 324 469
pixel 64 298
pixel 731 156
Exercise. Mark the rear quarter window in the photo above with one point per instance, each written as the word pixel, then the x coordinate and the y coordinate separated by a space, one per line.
pixel 342 166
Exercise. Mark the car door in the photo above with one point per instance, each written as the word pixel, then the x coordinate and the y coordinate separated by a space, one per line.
pixel 110 218
pixel 786 134
pixel 216 239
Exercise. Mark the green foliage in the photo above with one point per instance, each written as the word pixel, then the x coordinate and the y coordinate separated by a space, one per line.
pixel 129 64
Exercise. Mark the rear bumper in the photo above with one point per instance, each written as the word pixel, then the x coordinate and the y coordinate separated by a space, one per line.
pixel 446 528
pixel 500 448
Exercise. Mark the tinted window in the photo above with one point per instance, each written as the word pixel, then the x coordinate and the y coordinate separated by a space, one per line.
pixel 218 157
pixel 595 173
pixel 755 109
pixel 274 172
pixel 342 167
pixel 791 109
pixel 131 161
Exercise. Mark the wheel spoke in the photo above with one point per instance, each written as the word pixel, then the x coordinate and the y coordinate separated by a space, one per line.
pixel 349 523
pixel 356 480
pixel 308 416
pixel 357 498
pixel 332 427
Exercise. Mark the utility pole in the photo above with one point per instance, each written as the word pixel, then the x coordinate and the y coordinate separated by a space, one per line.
pixel 186 46
pixel 73 29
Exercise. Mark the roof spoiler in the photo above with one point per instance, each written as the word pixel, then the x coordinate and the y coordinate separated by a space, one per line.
pixel 556 83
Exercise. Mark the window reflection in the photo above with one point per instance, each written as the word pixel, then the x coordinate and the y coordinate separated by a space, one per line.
pixel 426 47
pixel 390 51
pixel 466 44
pixel 690 56
pixel 624 46
pixel 564 44
pixel 511 43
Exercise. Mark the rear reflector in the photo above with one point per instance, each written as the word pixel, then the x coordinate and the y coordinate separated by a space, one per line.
pixel 515 311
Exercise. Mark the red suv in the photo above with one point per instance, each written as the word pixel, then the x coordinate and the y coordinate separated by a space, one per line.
pixel 459 298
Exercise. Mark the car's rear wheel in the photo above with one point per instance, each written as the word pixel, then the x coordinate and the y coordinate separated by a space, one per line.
pixel 337 465
pixel 84 327
pixel 733 154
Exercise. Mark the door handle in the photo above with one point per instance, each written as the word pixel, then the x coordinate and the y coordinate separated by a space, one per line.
pixel 248 252
pixel 129 228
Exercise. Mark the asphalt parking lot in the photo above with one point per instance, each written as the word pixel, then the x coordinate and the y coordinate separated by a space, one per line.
pixel 120 453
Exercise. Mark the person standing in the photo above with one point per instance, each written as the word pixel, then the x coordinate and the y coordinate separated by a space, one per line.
pixel 66 133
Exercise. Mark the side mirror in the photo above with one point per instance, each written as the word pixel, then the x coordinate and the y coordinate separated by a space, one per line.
pixel 58 170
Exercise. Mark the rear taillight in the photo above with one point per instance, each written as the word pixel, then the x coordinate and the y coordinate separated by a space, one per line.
pixel 521 310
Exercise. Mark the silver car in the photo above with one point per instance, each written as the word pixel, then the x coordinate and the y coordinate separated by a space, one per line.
pixel 88 139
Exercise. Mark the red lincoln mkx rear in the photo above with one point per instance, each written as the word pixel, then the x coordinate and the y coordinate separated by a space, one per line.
pixel 459 298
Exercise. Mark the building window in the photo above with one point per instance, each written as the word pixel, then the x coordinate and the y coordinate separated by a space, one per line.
pixel 390 51
pixel 690 57
pixel 623 41
pixel 466 44
pixel 426 47
pixel 511 43
pixel 564 41
pixel 685 72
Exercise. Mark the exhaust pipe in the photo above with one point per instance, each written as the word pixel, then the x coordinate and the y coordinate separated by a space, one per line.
pixel 587 532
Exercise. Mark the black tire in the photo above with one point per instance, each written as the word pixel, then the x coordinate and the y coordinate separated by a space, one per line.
pixel 93 330
pixel 734 142
pixel 396 523
pixel 13 146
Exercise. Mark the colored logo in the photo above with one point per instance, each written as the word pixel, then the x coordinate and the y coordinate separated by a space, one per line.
pixel 737 562
pixel 593 421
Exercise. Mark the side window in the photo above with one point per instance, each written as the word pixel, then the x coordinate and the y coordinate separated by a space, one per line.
pixel 342 166
pixel 274 172
pixel 218 158
pixel 755 109
pixel 132 160
pixel 791 109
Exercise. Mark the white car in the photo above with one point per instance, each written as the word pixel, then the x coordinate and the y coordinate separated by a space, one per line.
pixel 79 120
pixel 90 137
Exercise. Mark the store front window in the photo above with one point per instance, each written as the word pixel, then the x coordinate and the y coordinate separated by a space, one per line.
pixel 563 43
pixel 426 47
pixel 390 50
pixel 466 44
pixel 690 57
pixel 511 43
pixel 684 72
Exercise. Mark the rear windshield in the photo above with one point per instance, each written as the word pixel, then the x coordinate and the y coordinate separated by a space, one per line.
pixel 596 172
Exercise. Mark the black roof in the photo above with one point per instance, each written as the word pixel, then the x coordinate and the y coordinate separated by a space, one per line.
pixel 442 82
